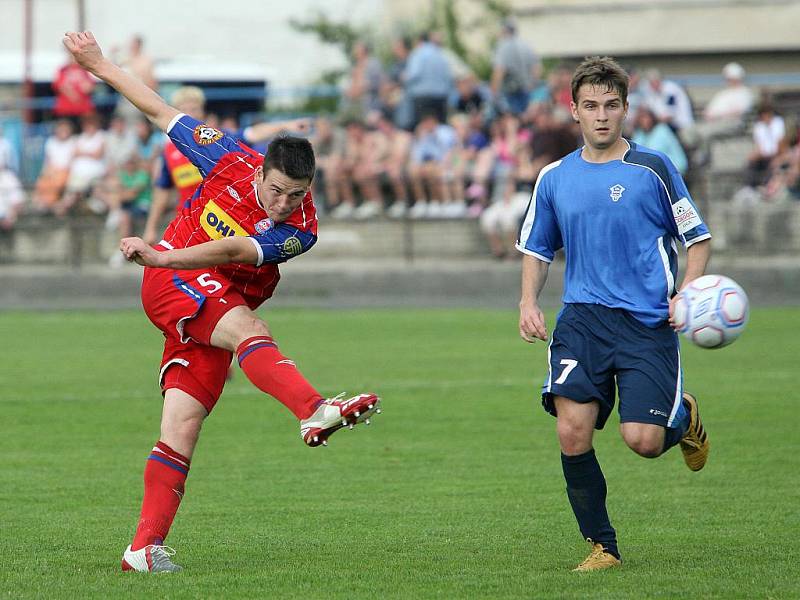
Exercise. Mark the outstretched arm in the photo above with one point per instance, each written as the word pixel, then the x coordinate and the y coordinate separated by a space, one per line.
pixel 209 254
pixel 87 53
pixel 261 132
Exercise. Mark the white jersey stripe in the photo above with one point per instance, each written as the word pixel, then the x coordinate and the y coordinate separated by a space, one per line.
pixel 527 225
pixel 667 271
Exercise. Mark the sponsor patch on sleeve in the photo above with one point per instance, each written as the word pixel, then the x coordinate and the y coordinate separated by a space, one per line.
pixel 205 135
pixel 686 217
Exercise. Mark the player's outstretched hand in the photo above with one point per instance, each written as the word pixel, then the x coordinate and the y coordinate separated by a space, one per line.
pixel 84 48
pixel 531 323
pixel 301 125
pixel 135 250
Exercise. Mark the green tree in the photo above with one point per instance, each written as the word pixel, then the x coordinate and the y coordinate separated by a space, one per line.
pixel 444 16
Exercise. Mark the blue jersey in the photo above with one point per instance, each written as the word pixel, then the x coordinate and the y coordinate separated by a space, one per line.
pixel 618 223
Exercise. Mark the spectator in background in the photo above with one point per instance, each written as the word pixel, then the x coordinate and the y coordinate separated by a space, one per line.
pixel 472 162
pixel 668 101
pixel 470 95
pixel 428 80
pixel 659 136
pixel 734 101
pixel 394 160
pixel 514 71
pixel 73 87
pixel 8 153
pixel 355 154
pixel 724 114
pixel 120 143
pixel 393 95
pixel 362 93
pixel 560 83
pixel 130 199
pixel 784 177
pixel 88 164
pixel 433 142
pixel 59 150
pixel 12 198
pixel 638 90
pixel 768 132
pixel 329 145
pixel 368 170
pixel 149 143
pixel 136 62
pixel 139 64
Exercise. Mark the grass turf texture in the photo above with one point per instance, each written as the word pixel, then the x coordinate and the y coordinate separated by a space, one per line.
pixel 454 491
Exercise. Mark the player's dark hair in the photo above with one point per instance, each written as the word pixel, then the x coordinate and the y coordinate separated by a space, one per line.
pixel 600 71
pixel 292 156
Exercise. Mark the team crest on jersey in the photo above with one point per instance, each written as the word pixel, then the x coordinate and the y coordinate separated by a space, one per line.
pixel 292 246
pixel 264 225
pixel 205 135
pixel 616 192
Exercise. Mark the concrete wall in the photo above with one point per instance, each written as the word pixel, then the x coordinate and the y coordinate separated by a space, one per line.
pixel 764 230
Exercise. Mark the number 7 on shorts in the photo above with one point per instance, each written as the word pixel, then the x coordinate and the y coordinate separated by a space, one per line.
pixel 569 364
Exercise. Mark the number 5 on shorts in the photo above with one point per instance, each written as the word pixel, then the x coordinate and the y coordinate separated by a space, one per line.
pixel 206 281
pixel 569 364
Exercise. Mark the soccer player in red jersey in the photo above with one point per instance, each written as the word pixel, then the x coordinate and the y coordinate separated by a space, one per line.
pixel 216 264
pixel 179 172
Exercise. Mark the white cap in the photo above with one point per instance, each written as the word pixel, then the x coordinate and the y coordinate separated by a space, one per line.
pixel 733 71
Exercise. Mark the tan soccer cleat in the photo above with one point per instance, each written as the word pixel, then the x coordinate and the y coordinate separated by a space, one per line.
pixel 695 444
pixel 598 559
pixel 335 413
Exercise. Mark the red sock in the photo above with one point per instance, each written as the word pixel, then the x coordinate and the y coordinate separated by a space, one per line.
pixel 164 477
pixel 273 373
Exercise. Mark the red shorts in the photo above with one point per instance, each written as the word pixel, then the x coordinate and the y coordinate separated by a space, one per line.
pixel 186 306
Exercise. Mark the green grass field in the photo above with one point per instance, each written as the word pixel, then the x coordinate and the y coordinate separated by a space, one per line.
pixel 455 491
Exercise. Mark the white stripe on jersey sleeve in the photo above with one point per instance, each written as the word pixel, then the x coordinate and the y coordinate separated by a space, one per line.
pixel 699 238
pixel 259 250
pixel 527 225
pixel 175 119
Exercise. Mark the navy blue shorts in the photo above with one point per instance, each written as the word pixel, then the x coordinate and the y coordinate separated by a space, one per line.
pixel 596 350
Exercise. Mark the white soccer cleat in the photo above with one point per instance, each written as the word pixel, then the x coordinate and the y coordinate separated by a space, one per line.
pixel 150 559
pixel 335 413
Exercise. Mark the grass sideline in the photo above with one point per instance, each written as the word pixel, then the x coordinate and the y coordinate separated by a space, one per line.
pixel 455 491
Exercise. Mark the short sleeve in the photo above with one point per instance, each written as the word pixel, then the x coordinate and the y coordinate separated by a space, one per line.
pixel 539 234
pixel 282 242
pixel 684 219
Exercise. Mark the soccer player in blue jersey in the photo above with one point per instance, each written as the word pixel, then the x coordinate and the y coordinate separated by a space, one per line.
pixel 617 210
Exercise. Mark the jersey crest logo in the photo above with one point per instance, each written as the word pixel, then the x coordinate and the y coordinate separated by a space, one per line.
pixel 292 246
pixel 264 225
pixel 205 135
pixel 616 192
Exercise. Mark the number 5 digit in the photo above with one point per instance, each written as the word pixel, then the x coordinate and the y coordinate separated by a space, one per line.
pixel 569 364
pixel 207 282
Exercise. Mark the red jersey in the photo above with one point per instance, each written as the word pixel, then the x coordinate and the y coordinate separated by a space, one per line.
pixel 73 86
pixel 227 204
pixel 178 172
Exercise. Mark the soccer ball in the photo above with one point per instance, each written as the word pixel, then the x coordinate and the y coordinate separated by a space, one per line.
pixel 711 311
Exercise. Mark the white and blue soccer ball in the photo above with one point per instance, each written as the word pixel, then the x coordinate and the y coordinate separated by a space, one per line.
pixel 711 311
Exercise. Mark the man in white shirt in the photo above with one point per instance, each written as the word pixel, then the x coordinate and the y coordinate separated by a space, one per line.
pixel 725 113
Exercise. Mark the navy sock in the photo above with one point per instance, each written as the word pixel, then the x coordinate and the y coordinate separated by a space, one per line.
pixel 673 435
pixel 586 490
